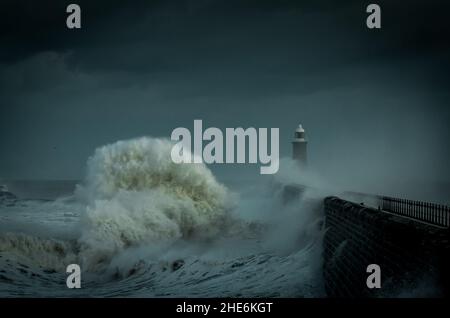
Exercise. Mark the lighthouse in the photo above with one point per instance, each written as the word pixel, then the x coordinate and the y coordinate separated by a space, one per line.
pixel 299 146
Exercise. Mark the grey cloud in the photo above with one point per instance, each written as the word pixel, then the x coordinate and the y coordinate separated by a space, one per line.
pixel 145 69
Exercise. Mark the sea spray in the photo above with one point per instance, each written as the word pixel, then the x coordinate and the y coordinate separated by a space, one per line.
pixel 136 195
pixel 47 253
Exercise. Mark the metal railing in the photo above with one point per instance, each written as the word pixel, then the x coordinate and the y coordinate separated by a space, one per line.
pixel 428 212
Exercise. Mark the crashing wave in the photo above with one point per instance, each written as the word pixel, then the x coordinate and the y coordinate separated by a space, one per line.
pixel 136 195
pixel 46 253
pixel 6 197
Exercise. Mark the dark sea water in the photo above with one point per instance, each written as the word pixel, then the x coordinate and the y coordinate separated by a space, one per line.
pixel 41 227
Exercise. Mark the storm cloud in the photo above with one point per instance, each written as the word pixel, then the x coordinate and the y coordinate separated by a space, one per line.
pixel 374 103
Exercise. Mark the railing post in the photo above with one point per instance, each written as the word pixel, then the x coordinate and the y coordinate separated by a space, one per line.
pixel 448 216
pixel 425 211
pixel 418 210
pixel 416 207
pixel 422 210
pixel 430 211
pixel 432 215
pixel 444 215
pixel 438 207
pixel 433 208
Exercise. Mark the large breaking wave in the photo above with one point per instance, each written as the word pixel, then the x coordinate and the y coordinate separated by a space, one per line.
pixel 136 195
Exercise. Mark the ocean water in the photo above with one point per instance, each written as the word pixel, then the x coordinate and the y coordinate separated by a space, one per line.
pixel 141 226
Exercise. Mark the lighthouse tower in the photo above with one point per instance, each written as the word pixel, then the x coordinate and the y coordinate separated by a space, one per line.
pixel 299 146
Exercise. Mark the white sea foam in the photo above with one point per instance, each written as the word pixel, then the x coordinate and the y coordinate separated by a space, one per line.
pixel 46 253
pixel 136 195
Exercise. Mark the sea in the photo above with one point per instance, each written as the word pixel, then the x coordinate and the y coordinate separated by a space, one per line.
pixel 139 225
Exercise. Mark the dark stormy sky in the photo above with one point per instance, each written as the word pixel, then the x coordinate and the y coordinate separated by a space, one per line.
pixel 374 103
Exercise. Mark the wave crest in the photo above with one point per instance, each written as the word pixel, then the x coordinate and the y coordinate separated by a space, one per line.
pixel 136 195
pixel 46 253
